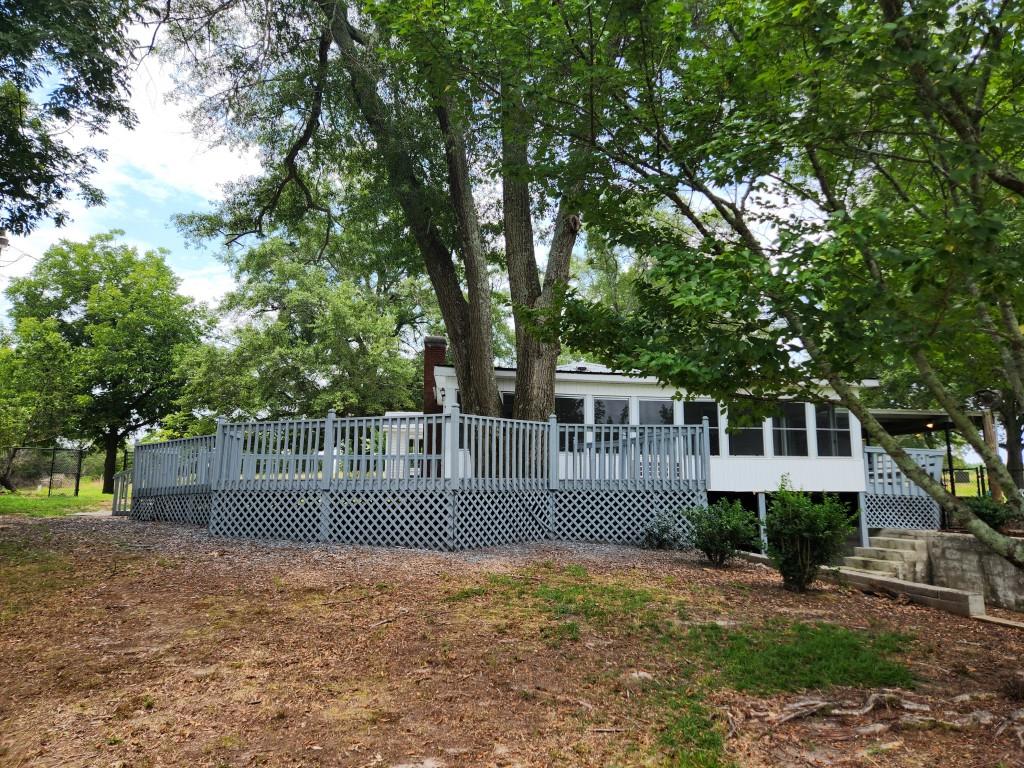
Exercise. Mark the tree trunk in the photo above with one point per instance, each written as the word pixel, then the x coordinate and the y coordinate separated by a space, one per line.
pixel 1014 452
pixel 471 348
pixel 536 360
pixel 111 442
pixel 5 469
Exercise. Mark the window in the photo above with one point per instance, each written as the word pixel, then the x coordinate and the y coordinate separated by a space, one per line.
pixel 608 411
pixel 568 410
pixel 789 430
pixel 746 441
pixel 656 412
pixel 694 413
pixel 508 399
pixel 833 428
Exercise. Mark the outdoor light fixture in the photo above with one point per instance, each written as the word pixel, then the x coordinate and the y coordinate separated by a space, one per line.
pixel 930 425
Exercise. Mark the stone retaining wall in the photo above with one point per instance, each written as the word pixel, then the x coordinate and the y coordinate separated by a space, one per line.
pixel 960 561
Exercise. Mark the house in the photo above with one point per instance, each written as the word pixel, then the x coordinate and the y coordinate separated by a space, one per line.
pixel 618 454
pixel 819 447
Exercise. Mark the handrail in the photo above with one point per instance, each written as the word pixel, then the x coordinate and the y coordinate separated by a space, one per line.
pixel 420 451
pixel 883 477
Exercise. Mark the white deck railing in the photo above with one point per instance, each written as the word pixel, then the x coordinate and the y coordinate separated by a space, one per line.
pixel 883 478
pixel 419 452
pixel 173 466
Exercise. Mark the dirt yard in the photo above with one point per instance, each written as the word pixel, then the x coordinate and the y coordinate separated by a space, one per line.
pixel 141 644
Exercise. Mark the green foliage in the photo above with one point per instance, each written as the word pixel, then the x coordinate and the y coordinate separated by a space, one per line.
pixel 794 657
pixel 115 324
pixel 305 340
pixel 721 529
pixel 664 532
pixel 804 535
pixel 64 65
pixel 995 513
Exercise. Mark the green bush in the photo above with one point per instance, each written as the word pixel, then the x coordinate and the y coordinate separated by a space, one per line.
pixel 721 529
pixel 664 533
pixel 994 513
pixel 804 535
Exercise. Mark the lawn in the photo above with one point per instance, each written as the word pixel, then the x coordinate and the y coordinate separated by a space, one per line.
pixel 143 644
pixel 37 504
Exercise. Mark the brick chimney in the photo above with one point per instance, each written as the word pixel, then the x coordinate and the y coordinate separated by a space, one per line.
pixel 434 348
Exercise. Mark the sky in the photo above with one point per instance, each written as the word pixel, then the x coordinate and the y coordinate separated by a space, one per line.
pixel 152 172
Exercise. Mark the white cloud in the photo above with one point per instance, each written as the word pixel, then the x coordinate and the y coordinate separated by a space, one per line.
pixel 207 284
pixel 147 173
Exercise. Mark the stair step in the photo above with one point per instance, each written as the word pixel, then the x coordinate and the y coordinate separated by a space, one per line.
pixel 889 567
pixel 900 533
pixel 892 542
pixel 881 553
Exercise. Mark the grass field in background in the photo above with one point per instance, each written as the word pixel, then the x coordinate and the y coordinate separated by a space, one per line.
pixel 38 504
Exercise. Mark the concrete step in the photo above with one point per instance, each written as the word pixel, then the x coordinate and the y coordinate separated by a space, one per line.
pixel 952 600
pixel 892 542
pixel 882 553
pixel 899 533
pixel 886 567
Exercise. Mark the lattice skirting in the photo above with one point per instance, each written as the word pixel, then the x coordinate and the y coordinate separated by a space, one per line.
pixel 435 519
pixel 191 508
pixel 491 518
pixel 619 516
pixel 883 511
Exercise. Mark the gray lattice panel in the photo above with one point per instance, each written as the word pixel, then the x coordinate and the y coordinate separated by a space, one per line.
pixel 420 519
pixel 490 518
pixel 267 515
pixel 189 508
pixel 618 516
pixel 885 511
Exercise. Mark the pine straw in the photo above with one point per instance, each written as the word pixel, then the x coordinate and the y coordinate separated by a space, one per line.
pixel 152 644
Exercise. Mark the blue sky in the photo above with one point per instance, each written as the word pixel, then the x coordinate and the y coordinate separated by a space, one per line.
pixel 151 173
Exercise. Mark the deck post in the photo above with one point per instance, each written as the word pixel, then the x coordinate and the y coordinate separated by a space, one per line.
pixel 552 435
pixel 865 538
pixel 762 517
pixel 219 446
pixel 452 473
pixel 706 454
pixel 327 476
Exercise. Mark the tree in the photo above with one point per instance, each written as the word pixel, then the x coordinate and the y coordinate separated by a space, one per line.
pixel 64 65
pixel 38 389
pixel 301 341
pixel 852 187
pixel 391 90
pixel 122 325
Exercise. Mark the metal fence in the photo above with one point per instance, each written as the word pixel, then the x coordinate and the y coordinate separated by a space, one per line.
pixel 53 471
pixel 446 481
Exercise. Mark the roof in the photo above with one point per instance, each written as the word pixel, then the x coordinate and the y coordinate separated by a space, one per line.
pixel 909 421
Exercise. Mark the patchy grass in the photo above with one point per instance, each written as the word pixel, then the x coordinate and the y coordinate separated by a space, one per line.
pixel 572 593
pixel 27 572
pixel 792 657
pixel 90 497
pixel 690 737
pixel 172 649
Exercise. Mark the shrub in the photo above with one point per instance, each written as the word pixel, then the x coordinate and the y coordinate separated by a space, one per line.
pixel 721 529
pixel 664 533
pixel 994 513
pixel 804 535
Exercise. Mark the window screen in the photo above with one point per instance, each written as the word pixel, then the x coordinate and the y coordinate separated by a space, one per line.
pixel 833 429
pixel 694 413
pixel 789 430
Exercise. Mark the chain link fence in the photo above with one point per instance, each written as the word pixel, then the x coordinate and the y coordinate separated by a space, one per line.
pixel 53 471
